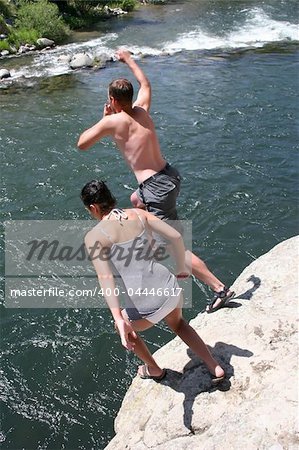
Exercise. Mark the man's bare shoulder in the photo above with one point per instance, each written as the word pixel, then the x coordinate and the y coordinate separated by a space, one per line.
pixel 139 110
pixel 115 122
pixel 141 114
pixel 118 118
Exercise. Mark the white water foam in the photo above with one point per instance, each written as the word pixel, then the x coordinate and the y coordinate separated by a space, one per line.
pixel 49 63
pixel 258 30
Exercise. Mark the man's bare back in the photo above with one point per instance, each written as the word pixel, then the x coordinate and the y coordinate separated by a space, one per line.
pixel 131 128
pixel 135 136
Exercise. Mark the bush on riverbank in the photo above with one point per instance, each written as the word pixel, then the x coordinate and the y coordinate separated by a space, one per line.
pixel 22 36
pixel 43 18
pixel 7 9
pixel 30 21
pixel 80 14
pixel 24 21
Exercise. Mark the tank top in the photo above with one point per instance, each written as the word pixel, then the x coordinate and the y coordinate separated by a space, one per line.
pixel 141 274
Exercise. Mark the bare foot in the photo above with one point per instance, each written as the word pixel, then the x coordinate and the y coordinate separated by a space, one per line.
pixel 218 372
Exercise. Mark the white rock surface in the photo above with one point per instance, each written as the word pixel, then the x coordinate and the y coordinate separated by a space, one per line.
pixel 65 58
pixel 44 42
pixel 4 73
pixel 256 340
pixel 81 60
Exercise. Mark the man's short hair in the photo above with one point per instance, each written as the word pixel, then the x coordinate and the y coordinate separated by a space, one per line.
pixel 122 90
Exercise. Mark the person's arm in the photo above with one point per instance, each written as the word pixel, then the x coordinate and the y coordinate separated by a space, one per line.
pixel 144 94
pixel 94 134
pixel 157 225
pixel 106 281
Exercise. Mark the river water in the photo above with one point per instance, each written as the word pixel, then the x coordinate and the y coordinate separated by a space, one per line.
pixel 225 95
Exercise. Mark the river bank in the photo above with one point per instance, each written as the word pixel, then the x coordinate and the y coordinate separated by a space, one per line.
pixel 44 44
pixel 23 24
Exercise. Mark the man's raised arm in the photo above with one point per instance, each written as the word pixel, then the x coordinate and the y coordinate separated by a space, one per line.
pixel 144 94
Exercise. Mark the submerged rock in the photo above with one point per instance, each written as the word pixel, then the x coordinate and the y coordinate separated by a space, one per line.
pixel 255 339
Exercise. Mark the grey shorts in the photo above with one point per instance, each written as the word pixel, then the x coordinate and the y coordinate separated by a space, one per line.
pixel 159 193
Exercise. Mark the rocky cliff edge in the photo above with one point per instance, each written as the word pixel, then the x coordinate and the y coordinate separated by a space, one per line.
pixel 256 340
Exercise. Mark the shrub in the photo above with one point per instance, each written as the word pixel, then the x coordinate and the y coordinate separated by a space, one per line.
pixel 43 17
pixel 82 7
pixel 128 5
pixel 22 36
pixel 3 26
pixel 4 45
pixel 7 9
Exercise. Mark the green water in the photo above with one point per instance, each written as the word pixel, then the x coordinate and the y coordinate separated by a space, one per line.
pixel 226 115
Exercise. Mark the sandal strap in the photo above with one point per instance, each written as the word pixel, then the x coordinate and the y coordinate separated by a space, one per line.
pixel 221 294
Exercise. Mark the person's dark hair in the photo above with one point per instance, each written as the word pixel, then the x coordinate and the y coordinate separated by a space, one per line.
pixel 121 90
pixel 97 192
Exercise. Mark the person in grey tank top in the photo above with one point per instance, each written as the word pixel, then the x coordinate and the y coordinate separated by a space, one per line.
pixel 121 244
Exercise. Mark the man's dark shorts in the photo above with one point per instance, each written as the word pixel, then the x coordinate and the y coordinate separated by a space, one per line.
pixel 159 193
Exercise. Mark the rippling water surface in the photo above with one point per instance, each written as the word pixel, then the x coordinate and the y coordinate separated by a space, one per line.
pixel 225 88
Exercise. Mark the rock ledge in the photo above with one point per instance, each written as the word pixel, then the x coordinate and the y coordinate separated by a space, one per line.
pixel 256 340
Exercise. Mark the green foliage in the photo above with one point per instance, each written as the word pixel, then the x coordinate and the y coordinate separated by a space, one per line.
pixel 75 22
pixel 88 7
pixel 82 7
pixel 83 13
pixel 44 18
pixel 7 10
pixel 23 36
pixel 52 19
pixel 128 5
pixel 3 26
pixel 4 45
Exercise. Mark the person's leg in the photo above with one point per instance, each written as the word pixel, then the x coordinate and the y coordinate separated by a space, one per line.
pixel 179 326
pixel 200 270
pixel 141 349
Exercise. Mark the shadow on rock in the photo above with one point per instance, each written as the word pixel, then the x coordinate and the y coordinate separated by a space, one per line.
pixel 245 295
pixel 249 293
pixel 196 378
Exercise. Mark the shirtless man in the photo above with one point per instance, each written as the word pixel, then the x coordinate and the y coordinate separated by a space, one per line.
pixel 131 127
